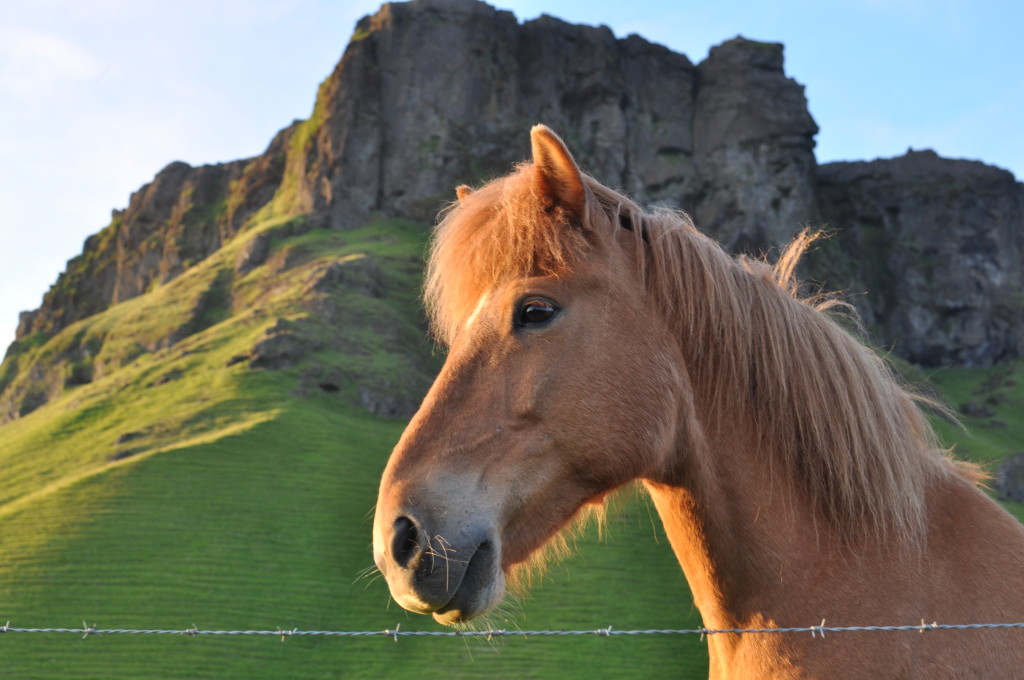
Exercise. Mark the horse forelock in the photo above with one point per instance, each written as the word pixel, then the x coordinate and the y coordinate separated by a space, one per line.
pixel 827 409
pixel 500 232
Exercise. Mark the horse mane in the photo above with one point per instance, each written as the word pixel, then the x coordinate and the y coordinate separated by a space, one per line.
pixel 830 411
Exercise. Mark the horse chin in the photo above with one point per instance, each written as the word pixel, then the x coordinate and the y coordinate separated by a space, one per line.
pixel 481 589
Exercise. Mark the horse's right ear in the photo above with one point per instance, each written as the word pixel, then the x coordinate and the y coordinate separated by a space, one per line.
pixel 558 176
pixel 463 190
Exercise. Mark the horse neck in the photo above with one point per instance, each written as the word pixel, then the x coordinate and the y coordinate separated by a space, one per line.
pixel 734 525
pixel 731 504
pixel 751 553
pixel 754 557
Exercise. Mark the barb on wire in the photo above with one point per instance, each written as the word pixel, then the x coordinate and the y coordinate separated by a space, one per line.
pixel 394 634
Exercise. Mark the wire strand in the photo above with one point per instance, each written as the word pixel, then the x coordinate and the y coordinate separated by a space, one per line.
pixel 815 631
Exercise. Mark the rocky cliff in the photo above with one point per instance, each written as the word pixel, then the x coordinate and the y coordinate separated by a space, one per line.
pixel 433 93
pixel 937 247
pixel 170 224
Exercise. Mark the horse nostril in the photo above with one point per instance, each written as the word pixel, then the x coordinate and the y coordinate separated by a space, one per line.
pixel 405 542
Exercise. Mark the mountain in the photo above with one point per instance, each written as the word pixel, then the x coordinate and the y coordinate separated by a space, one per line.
pixel 433 93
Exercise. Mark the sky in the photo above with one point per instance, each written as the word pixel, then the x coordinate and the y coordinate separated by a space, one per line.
pixel 96 96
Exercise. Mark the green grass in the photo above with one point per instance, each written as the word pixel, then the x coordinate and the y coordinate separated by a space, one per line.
pixel 998 393
pixel 180 487
pixel 271 527
pixel 996 397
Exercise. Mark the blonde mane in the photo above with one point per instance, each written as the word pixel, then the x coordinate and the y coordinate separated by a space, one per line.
pixel 829 410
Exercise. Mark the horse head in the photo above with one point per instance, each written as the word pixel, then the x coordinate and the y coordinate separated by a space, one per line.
pixel 559 386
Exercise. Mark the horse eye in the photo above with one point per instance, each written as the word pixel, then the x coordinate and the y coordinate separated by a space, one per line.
pixel 536 313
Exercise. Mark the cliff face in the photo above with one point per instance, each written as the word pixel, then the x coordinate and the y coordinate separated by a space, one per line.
pixel 938 245
pixel 170 224
pixel 434 93
pixel 754 141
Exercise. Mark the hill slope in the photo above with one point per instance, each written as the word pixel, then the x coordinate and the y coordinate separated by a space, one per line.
pixel 192 484
pixel 224 535
pixel 430 94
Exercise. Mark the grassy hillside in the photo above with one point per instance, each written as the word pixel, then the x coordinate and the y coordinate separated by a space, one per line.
pixel 270 527
pixel 187 483
pixel 205 458
pixel 990 403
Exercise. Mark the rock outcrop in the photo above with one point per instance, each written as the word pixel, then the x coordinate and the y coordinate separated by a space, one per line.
pixel 435 93
pixel 181 217
pixel 430 94
pixel 937 245
pixel 1009 478
pixel 754 148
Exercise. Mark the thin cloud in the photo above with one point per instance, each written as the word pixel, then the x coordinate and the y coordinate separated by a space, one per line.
pixel 34 61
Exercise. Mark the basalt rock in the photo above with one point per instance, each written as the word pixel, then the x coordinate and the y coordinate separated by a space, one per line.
pixel 435 93
pixel 938 246
pixel 1009 478
pixel 754 147
pixel 185 214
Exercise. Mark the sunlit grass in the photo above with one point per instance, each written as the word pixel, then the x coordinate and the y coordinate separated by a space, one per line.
pixel 270 527
pixel 182 487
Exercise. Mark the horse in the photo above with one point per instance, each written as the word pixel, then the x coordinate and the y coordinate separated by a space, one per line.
pixel 592 343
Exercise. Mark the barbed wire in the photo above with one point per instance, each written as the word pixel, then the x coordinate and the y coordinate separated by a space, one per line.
pixel 816 631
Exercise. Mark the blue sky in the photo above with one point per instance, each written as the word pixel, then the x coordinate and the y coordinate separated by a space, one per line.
pixel 97 96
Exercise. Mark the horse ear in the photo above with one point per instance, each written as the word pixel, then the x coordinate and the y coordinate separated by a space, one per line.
pixel 462 191
pixel 558 176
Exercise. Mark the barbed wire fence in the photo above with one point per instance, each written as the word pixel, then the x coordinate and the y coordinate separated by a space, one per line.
pixel 816 631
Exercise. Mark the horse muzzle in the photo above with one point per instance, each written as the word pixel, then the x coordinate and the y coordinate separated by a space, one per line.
pixel 452 572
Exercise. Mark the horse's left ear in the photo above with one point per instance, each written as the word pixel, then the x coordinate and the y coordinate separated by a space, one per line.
pixel 558 176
